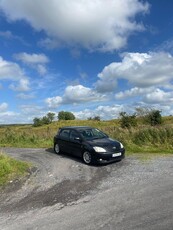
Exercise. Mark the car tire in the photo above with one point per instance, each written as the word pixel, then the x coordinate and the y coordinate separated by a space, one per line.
pixel 87 157
pixel 56 149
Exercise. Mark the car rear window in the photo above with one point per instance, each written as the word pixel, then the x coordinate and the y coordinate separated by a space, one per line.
pixel 64 134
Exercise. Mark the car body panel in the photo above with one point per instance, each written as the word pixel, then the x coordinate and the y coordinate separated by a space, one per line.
pixel 75 144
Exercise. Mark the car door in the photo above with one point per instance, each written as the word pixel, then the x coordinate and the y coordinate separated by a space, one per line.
pixel 75 143
pixel 64 140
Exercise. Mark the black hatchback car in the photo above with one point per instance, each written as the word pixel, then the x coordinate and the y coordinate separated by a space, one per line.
pixel 91 144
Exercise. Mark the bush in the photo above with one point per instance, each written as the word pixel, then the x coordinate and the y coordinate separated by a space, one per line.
pixel 127 121
pixel 154 117
pixel 44 120
pixel 96 118
pixel 66 116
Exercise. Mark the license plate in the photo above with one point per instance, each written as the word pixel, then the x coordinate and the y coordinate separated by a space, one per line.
pixel 116 154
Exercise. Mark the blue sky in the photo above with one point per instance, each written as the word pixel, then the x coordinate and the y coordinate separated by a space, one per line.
pixel 89 57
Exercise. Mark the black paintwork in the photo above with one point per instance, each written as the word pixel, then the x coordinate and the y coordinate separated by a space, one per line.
pixel 79 145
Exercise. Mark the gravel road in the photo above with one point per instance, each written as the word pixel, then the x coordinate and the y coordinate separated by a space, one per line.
pixel 62 193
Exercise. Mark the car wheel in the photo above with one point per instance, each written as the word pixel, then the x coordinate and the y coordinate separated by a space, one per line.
pixel 56 148
pixel 87 158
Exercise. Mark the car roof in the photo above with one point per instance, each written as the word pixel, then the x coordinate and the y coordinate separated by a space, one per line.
pixel 76 127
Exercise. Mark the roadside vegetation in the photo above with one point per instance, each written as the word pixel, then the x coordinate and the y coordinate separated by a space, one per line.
pixel 146 131
pixel 11 169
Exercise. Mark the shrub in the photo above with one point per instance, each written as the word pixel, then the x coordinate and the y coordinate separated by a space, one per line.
pixel 66 116
pixel 154 117
pixel 127 121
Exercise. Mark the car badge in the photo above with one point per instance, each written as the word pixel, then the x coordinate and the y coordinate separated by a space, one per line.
pixel 114 147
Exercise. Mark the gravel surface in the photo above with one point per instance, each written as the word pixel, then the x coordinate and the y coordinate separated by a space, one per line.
pixel 63 193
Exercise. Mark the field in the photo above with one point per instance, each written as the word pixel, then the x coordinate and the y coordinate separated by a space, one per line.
pixel 143 138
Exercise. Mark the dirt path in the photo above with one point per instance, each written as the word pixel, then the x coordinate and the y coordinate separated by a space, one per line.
pixel 55 179
pixel 63 193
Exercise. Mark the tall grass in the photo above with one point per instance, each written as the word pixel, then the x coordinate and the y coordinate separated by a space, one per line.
pixel 11 169
pixel 139 139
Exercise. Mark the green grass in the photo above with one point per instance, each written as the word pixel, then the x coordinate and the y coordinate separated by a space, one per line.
pixel 11 169
pixel 143 138
pixel 144 141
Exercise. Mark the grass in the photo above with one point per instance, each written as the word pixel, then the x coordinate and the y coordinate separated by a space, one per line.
pixel 143 138
pixel 11 169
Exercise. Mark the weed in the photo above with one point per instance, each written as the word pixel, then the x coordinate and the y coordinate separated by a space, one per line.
pixel 11 169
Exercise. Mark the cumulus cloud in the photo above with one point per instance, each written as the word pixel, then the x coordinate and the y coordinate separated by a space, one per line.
pixel 12 71
pixel 75 94
pixel 96 24
pixel 79 93
pixel 36 61
pixel 105 112
pixel 159 96
pixel 134 92
pixel 139 69
pixel 23 85
pixel 54 102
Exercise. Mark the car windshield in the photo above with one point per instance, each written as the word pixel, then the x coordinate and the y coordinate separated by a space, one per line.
pixel 92 133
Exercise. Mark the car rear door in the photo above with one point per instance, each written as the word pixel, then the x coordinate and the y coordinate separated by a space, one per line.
pixel 75 143
pixel 64 140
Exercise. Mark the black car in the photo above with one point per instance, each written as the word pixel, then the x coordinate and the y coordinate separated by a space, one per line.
pixel 91 144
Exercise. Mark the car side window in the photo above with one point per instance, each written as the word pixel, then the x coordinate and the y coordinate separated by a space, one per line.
pixel 64 134
pixel 73 135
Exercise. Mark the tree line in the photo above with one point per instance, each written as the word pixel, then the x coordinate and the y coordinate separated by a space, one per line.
pixel 45 120
pixel 148 116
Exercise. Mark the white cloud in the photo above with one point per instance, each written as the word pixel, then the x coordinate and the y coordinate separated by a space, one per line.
pixel 12 71
pixel 3 107
pixel 133 92
pixel 32 58
pixel 9 117
pixel 139 69
pixel 76 22
pixel 76 95
pixel 54 102
pixel 159 96
pixel 49 43
pixel 36 61
pixel 22 86
pixel 25 96
pixel 105 112
pixel 79 94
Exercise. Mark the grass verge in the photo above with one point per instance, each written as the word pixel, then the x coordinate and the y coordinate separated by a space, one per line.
pixel 11 169
pixel 143 138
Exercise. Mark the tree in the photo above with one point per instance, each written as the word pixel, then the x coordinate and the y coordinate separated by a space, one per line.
pixel 127 121
pixel 62 115
pixel 37 122
pixel 45 120
pixel 51 116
